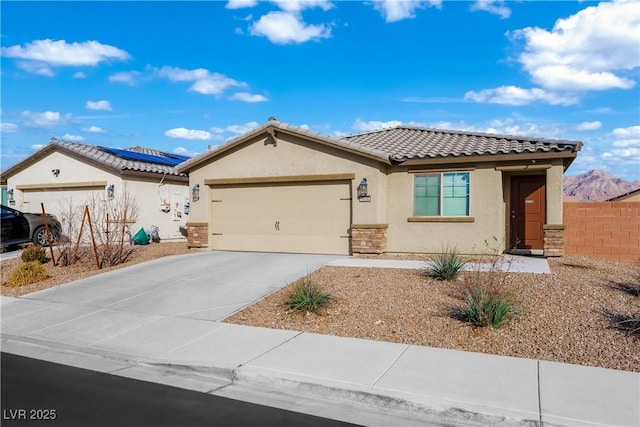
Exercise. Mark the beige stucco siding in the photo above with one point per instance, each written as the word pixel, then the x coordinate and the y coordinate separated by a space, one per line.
pixel 554 196
pixel 74 183
pixel 292 156
pixel 486 208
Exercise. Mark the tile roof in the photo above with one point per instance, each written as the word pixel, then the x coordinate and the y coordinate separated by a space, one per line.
pixel 403 143
pixel 98 155
pixel 95 153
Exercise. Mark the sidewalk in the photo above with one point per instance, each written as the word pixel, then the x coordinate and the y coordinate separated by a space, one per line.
pixel 360 381
pixel 512 263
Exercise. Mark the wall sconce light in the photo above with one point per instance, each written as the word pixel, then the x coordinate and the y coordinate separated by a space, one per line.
pixel 195 193
pixel 363 191
pixel 111 192
pixel 10 195
pixel 55 172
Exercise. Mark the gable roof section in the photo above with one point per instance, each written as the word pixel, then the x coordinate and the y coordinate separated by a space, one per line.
pixel 274 126
pixel 110 158
pixel 624 196
pixel 400 144
pixel 408 143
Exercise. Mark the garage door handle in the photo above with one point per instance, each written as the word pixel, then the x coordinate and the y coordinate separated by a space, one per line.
pixel 277 225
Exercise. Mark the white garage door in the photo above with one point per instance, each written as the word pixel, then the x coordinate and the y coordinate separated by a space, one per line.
pixel 57 199
pixel 299 218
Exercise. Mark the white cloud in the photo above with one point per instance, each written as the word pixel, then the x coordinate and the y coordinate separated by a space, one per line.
pixel 203 80
pixel 98 105
pixel 79 75
pixel 248 97
pixel 589 125
pixel 72 138
pixel 36 146
pixel 127 77
pixel 190 134
pixel 39 55
pixel 240 129
pixel 94 129
pixel 299 5
pixel 496 7
pixel 590 47
pixel 8 127
pixel 45 119
pixel 374 125
pixel 562 77
pixel 36 68
pixel 287 27
pixel 397 10
pixel 630 132
pixel 239 4
pixel 513 95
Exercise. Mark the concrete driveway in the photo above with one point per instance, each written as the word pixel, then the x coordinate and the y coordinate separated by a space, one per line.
pixel 204 285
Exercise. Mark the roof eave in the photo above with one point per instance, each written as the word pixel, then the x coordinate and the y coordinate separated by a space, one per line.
pixel 489 158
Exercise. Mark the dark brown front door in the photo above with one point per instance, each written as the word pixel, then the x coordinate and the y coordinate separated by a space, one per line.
pixel 527 212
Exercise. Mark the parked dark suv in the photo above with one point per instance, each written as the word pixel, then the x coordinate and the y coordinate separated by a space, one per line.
pixel 18 227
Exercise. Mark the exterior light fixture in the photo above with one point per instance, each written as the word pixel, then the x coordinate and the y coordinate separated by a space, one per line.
pixel 363 191
pixel 111 192
pixel 195 193
pixel 55 172
pixel 10 195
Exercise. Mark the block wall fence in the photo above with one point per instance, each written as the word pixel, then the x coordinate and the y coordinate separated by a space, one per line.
pixel 608 230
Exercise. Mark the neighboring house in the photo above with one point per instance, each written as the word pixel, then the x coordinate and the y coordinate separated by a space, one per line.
pixel 631 196
pixel 285 188
pixel 63 172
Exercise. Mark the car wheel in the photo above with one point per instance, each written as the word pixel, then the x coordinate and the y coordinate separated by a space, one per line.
pixel 40 237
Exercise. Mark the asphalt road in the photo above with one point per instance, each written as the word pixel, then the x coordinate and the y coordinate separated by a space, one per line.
pixel 36 392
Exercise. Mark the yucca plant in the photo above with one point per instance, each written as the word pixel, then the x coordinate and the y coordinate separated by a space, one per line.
pixel 482 306
pixel 307 296
pixel 446 265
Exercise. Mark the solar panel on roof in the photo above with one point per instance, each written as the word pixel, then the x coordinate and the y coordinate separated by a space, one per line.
pixel 135 156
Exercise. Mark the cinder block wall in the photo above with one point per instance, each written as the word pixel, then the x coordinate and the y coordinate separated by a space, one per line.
pixel 608 230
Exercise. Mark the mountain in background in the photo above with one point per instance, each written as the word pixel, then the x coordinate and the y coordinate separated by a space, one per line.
pixel 596 185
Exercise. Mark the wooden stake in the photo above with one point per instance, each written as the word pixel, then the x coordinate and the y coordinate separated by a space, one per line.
pixel 48 231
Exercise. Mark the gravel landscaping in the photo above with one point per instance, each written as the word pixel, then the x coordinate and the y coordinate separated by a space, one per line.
pixel 562 314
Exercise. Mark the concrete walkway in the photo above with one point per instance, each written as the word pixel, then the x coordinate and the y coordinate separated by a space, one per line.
pixel 511 263
pixel 94 325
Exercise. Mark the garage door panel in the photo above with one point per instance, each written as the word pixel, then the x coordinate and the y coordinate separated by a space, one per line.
pixel 307 218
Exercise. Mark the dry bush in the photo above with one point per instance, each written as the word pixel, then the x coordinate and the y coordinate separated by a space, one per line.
pixel 34 253
pixel 27 273
pixel 109 221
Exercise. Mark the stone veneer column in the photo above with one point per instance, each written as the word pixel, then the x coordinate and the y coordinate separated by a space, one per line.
pixel 369 238
pixel 197 234
pixel 554 240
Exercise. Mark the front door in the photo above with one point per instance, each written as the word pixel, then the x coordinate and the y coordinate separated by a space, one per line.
pixel 527 212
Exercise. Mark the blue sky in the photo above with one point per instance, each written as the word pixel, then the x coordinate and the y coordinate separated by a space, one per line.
pixel 182 76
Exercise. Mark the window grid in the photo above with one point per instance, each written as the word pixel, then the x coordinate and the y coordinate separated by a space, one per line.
pixel 442 194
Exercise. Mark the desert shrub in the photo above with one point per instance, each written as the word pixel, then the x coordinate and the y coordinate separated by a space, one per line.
pixel 629 321
pixel 446 265
pixel 484 306
pixel 27 273
pixel 307 296
pixel 34 253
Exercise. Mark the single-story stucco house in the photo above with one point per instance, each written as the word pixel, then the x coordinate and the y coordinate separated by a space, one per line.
pixel 406 189
pixel 64 171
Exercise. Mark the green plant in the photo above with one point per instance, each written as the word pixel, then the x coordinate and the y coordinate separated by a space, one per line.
pixel 307 296
pixel 34 253
pixel 483 306
pixel 27 273
pixel 446 265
